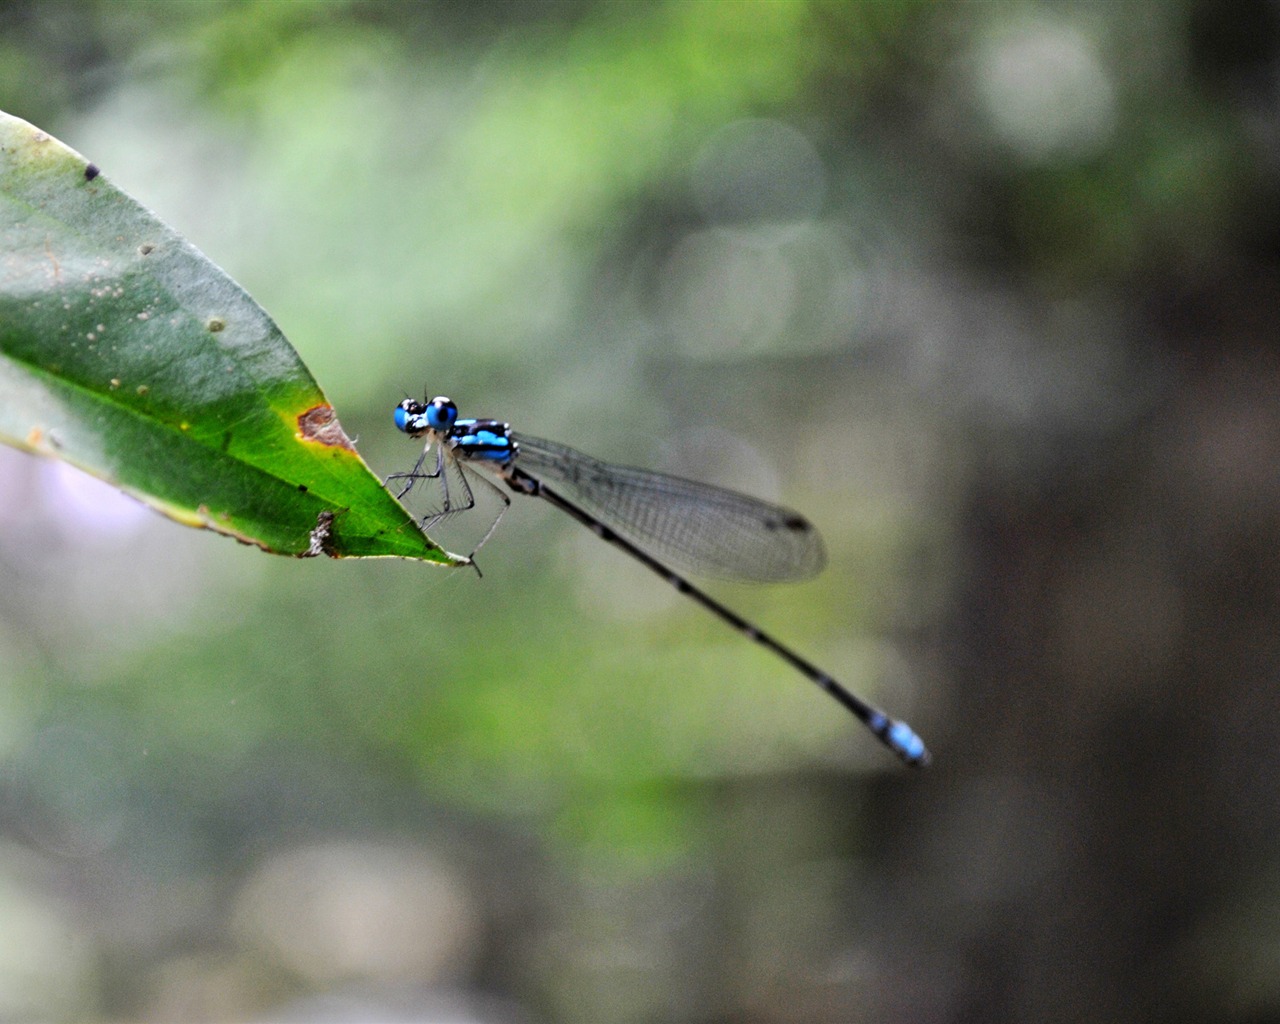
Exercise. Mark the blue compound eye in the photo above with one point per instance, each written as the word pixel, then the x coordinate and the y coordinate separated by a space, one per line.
pixel 441 413
pixel 408 416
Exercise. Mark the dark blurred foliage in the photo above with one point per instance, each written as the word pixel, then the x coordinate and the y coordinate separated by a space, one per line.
pixel 989 290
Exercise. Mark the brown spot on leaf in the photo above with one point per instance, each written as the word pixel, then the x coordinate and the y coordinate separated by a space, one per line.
pixel 320 424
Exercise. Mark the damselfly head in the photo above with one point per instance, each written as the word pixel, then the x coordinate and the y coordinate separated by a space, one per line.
pixel 416 418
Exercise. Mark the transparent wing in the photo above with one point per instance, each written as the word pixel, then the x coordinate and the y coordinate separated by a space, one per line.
pixel 704 530
pixel 435 488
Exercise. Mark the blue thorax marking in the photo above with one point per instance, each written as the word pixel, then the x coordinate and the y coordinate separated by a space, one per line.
pixel 482 439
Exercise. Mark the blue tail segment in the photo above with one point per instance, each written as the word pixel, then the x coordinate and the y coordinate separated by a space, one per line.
pixel 903 740
pixel 898 737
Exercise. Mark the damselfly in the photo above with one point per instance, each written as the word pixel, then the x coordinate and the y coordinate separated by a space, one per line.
pixel 698 528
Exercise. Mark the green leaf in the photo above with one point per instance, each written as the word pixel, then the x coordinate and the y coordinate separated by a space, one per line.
pixel 125 352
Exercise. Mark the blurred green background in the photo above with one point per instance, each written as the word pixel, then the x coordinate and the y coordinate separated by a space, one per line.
pixel 988 290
